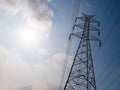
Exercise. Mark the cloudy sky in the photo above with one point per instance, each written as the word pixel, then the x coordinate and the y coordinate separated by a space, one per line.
pixel 34 37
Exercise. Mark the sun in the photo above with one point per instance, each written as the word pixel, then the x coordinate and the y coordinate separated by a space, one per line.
pixel 28 36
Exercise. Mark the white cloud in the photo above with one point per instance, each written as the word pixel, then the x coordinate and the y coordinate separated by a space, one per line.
pixel 58 60
pixel 36 12
pixel 16 74
pixel 52 70
pixel 9 5
pixel 43 52
pixel 54 63
pixel 25 88
pixel 50 0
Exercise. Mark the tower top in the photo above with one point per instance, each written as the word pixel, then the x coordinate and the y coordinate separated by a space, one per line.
pixel 88 16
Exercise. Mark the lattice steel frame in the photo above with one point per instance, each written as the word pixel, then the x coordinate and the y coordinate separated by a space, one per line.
pixel 81 76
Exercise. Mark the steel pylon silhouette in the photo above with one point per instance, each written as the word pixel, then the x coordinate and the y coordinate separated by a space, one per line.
pixel 81 76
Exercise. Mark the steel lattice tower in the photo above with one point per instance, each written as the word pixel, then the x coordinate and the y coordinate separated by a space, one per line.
pixel 81 76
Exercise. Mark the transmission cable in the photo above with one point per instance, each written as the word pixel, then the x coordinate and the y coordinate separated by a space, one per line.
pixel 102 18
pixel 111 12
pixel 112 82
pixel 110 72
pixel 106 10
pixel 107 35
pixel 75 13
pixel 109 64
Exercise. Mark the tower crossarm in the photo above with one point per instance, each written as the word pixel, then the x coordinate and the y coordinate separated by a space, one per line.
pixel 95 21
pixel 77 34
pixel 92 28
pixel 94 38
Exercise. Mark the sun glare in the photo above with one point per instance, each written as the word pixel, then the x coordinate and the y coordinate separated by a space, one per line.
pixel 27 36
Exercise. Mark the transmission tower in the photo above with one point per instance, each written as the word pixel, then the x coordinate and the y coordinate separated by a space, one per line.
pixel 81 76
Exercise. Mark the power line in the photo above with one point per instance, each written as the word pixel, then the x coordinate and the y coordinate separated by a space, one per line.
pixel 110 72
pixel 106 10
pixel 108 75
pixel 75 12
pixel 112 29
pixel 107 35
pixel 74 15
pixel 112 82
pixel 109 64
pixel 104 40
pixel 111 12
pixel 113 25
pixel 102 18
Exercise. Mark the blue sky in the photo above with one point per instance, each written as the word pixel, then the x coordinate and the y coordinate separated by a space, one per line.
pixel 34 36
